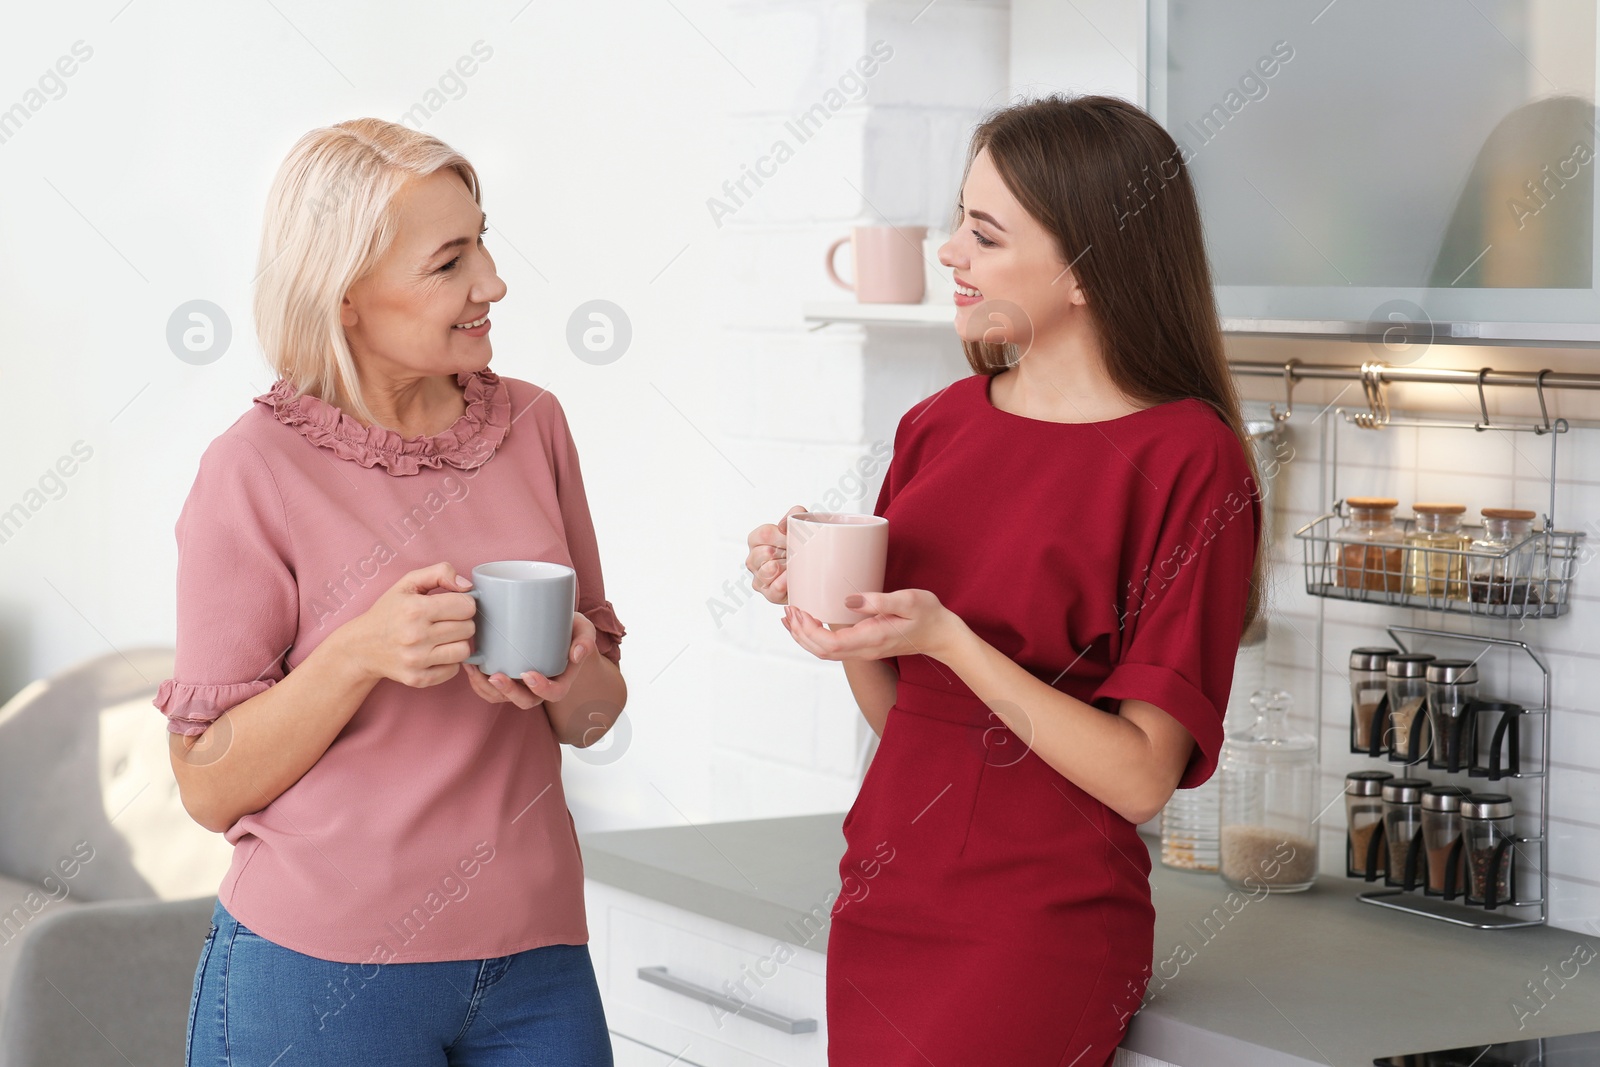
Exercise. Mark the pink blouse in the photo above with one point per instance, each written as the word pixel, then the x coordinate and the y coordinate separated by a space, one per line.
pixel 435 826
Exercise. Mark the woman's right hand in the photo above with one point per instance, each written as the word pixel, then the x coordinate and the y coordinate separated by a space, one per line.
pixel 412 636
pixel 768 560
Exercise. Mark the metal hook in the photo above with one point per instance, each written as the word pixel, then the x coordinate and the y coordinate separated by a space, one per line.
pixel 1377 414
pixel 1544 412
pixel 1483 404
pixel 1288 393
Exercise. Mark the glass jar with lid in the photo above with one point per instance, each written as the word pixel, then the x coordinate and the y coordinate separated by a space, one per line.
pixel 1488 840
pixel 1503 570
pixel 1269 801
pixel 1402 824
pixel 1436 561
pixel 1365 854
pixel 1368 688
pixel 1441 840
pixel 1452 687
pixel 1406 738
pixel 1370 546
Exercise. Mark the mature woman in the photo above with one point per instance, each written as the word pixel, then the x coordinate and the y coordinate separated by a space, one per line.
pixel 1073 556
pixel 406 886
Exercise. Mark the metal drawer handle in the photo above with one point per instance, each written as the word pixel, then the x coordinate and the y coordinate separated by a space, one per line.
pixel 659 976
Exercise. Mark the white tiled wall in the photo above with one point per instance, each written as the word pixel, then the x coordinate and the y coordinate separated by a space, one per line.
pixel 1310 638
pixel 806 408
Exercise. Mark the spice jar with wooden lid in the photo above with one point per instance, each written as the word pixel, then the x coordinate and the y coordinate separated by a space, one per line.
pixel 1373 561
pixel 1502 571
pixel 1436 561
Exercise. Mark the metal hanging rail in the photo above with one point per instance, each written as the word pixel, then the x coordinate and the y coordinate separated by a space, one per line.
pixel 1294 370
pixel 1373 376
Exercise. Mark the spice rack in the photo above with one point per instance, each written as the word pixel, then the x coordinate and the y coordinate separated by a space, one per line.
pixel 1543 592
pixel 1350 568
pixel 1416 901
pixel 1555 554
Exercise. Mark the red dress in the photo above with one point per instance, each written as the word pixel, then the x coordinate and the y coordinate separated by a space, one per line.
pixel 991 912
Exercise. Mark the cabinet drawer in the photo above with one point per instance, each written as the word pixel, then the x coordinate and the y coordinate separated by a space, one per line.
pixel 725 996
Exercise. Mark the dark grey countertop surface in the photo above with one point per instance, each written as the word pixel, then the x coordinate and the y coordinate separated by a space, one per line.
pixel 1298 979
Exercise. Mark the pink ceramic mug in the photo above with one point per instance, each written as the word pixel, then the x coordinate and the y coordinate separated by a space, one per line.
pixel 832 555
pixel 888 267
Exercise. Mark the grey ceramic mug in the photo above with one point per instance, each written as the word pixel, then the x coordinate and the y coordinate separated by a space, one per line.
pixel 524 617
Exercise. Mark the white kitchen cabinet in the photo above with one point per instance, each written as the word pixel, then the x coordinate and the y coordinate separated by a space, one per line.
pixel 658 1021
pixel 772 994
pixel 1124 1058
pixel 626 1052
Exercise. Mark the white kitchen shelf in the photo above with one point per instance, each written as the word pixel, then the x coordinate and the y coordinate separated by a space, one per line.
pixel 820 313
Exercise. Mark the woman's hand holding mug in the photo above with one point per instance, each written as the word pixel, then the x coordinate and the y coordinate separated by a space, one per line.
pixel 411 637
pixel 420 639
pixel 535 688
pixel 768 558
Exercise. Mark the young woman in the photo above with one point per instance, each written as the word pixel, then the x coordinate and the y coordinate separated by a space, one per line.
pixel 1073 555
pixel 406 886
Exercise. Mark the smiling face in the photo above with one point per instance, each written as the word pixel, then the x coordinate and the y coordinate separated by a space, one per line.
pixel 1024 289
pixel 403 318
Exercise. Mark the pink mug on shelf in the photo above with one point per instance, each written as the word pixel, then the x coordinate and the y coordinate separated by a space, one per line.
pixel 887 264
pixel 832 555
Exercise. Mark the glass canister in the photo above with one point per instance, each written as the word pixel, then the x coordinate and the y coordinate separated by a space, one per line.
pixel 1189 825
pixel 1192 818
pixel 1368 687
pixel 1441 839
pixel 1402 821
pixel 1436 564
pixel 1374 561
pixel 1486 832
pixel 1504 579
pixel 1269 801
pixel 1452 686
pixel 1363 814
pixel 1406 675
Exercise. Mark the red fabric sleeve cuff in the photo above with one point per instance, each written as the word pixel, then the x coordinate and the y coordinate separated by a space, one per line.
pixel 191 708
pixel 608 631
pixel 1175 695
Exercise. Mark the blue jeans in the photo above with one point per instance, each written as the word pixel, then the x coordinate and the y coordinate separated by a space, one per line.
pixel 258 1004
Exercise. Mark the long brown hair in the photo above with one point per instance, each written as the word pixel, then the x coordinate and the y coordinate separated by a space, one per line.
pixel 1112 187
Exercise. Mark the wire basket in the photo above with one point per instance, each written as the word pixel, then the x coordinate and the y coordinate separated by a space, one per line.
pixel 1530 579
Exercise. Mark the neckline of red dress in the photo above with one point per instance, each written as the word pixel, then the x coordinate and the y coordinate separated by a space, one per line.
pixel 982 394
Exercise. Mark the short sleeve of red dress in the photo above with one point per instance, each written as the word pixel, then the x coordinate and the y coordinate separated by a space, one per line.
pixel 1186 588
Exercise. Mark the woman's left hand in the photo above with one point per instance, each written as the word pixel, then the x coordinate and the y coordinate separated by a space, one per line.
pixel 902 623
pixel 534 688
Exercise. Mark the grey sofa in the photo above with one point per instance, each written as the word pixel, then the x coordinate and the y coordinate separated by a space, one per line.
pixel 106 883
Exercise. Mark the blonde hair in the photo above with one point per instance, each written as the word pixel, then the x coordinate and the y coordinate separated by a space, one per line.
pixel 330 216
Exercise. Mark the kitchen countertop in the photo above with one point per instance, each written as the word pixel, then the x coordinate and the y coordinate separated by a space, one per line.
pixel 1292 979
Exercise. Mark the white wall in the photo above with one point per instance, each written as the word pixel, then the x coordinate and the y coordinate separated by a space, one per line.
pixel 600 132
pixel 801 409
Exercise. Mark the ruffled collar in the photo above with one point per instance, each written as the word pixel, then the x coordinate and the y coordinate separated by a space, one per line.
pixel 468 443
